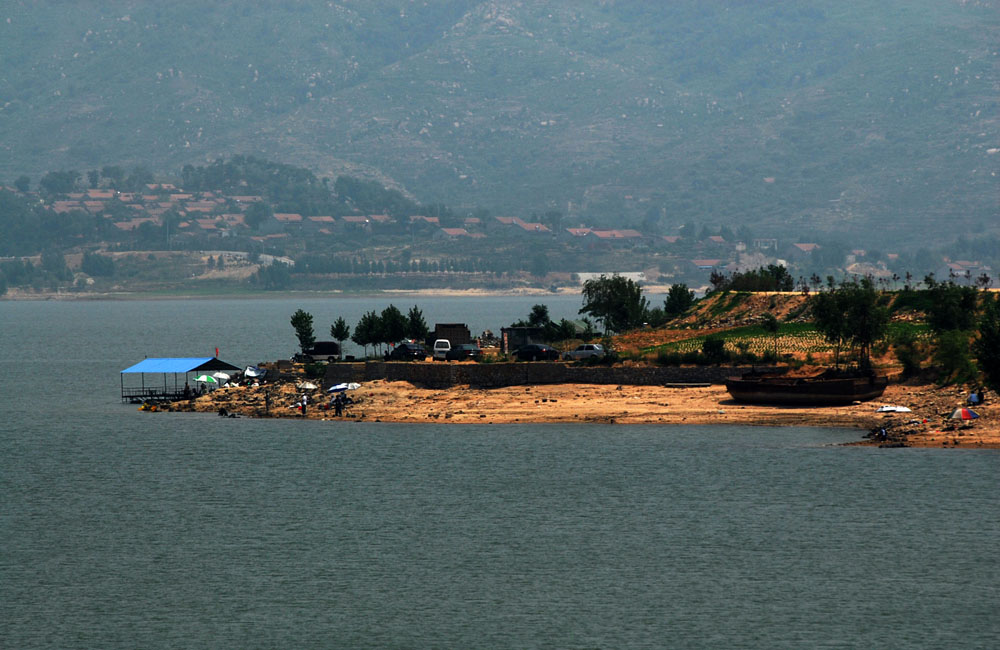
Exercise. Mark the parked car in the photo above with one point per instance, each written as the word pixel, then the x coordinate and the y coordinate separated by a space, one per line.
pixel 585 351
pixel 463 351
pixel 537 352
pixel 407 352
pixel 441 347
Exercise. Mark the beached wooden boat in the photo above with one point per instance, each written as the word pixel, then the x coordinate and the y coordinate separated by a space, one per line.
pixel 828 388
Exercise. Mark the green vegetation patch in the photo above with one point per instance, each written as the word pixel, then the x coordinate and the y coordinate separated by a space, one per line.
pixel 792 337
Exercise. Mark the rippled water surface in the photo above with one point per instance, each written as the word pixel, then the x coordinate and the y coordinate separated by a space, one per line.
pixel 122 529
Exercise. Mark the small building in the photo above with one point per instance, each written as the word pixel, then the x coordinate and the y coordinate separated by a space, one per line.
pixel 455 332
pixel 513 338
pixel 163 368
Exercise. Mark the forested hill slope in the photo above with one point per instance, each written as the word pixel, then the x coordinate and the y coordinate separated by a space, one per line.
pixel 798 117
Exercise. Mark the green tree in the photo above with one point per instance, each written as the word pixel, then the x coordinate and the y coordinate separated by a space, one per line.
pixel 850 313
pixel 366 331
pixel 951 307
pixel 23 183
pixel 303 323
pixel 274 276
pixel 679 300
pixel 986 345
pixel 62 182
pixel 539 316
pixel 952 356
pixel 54 262
pixel 113 173
pixel 867 321
pixel 829 310
pixel 416 326
pixel 393 325
pixel 138 179
pixel 96 265
pixel 340 331
pixel 909 352
pixel 714 349
pixel 616 302
pixel 771 325
pixel 540 265
pixel 257 213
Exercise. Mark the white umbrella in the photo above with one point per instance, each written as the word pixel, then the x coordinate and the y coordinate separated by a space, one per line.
pixel 253 371
pixel 221 376
pixel 308 385
pixel 892 409
pixel 337 388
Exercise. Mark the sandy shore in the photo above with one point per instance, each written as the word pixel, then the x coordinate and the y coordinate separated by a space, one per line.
pixel 382 401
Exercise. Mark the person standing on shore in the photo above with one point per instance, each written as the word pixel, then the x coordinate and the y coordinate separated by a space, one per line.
pixel 305 403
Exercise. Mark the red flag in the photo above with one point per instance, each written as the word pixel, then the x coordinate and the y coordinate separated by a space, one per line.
pixel 216 352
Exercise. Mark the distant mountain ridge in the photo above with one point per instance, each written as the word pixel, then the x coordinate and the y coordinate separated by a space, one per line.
pixel 798 118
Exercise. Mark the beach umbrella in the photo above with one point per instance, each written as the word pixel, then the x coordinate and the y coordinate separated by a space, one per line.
pixel 308 385
pixel 892 409
pixel 963 414
pixel 339 388
pixel 206 379
pixel 221 376
pixel 254 371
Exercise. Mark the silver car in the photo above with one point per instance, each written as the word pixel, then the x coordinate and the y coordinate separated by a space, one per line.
pixel 585 351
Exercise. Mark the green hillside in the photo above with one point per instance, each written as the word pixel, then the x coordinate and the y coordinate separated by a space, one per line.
pixel 801 118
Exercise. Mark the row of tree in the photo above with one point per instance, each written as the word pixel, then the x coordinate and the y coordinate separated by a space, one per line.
pixel 375 329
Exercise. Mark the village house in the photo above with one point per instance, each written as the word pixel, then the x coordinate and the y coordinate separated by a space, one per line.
pixel 962 272
pixel 706 264
pixel 618 238
pixel 419 223
pixel 800 252
pixel 323 224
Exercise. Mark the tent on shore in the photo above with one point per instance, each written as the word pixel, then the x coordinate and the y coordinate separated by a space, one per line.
pixel 168 366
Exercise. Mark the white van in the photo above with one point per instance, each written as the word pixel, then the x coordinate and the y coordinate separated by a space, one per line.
pixel 441 348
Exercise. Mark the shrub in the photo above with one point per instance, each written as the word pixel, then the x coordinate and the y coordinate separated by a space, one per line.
pixel 665 358
pixel 714 350
pixel 952 356
pixel 909 352
pixel 314 370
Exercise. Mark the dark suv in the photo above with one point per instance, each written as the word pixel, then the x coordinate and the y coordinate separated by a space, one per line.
pixel 407 352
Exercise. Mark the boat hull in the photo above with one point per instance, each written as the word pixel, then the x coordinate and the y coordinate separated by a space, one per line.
pixel 793 391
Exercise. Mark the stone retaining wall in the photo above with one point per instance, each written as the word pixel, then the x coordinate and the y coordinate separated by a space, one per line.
pixel 496 375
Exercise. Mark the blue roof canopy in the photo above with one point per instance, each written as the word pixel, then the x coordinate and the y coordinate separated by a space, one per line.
pixel 182 364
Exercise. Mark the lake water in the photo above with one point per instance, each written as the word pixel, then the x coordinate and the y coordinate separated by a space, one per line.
pixel 124 529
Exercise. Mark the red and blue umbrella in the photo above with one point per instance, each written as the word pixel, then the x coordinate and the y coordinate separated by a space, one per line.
pixel 963 414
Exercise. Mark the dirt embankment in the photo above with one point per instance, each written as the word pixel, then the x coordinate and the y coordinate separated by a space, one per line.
pixel 382 401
